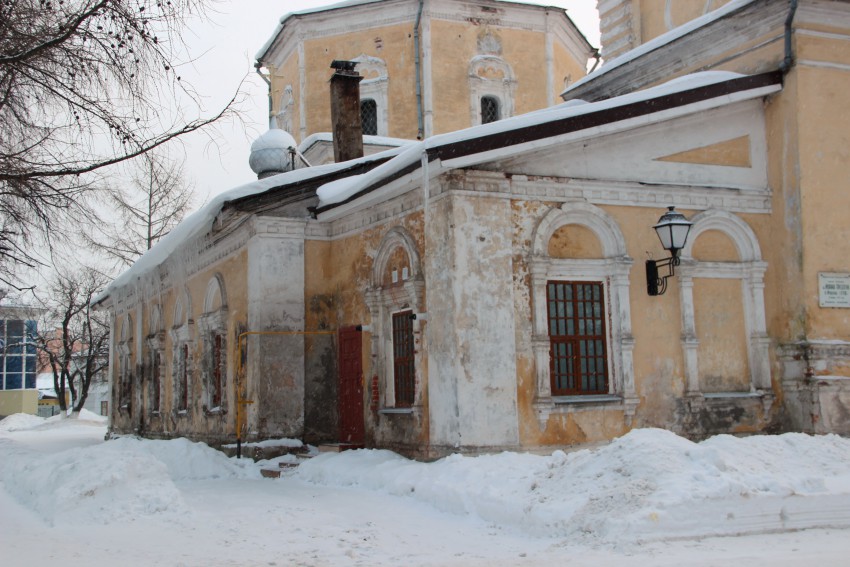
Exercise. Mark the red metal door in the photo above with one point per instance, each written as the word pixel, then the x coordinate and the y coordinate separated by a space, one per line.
pixel 351 426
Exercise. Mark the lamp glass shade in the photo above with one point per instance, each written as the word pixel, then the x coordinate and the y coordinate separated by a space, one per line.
pixel 673 229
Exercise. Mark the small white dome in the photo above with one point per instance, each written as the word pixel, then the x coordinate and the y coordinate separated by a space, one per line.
pixel 271 153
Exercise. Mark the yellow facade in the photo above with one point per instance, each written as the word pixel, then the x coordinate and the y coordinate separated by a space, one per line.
pixel 513 40
pixel 440 265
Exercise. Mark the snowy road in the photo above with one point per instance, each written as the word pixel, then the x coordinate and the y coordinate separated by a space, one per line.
pixel 129 502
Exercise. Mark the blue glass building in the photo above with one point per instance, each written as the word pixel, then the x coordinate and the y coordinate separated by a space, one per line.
pixel 19 363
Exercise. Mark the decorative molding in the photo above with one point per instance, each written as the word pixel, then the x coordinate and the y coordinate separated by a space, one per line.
pixel 750 270
pixel 613 271
pixel 502 86
pixel 605 192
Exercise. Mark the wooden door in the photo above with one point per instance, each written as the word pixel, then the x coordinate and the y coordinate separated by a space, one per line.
pixel 351 425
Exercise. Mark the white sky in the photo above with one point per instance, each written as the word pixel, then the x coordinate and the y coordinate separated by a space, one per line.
pixel 223 52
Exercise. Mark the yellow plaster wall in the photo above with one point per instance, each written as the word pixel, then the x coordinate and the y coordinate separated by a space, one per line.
pixel 575 241
pixel 656 325
pixel 714 246
pixel 567 70
pixel 825 175
pixel 454 44
pixel 288 74
pixel 782 243
pixel 659 16
pixel 721 332
pixel 519 48
pixel 395 48
pixel 18 401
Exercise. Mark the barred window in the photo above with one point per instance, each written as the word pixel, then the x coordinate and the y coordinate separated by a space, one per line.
pixel 217 370
pixel 183 379
pixel 403 359
pixel 369 116
pixel 578 347
pixel 156 372
pixel 489 109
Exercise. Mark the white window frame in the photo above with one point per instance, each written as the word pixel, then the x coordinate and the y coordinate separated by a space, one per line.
pixel 613 271
pixel 375 86
pixel 214 322
pixel 385 301
pixel 503 90
pixel 155 343
pixel 181 335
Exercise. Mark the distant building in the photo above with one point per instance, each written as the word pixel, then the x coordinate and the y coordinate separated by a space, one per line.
pixel 19 362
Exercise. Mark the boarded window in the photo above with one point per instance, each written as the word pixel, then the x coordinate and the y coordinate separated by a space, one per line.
pixel 369 116
pixel 576 313
pixel 403 358
pixel 489 109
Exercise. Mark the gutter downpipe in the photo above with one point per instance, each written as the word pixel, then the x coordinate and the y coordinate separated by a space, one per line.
pixel 789 53
pixel 418 62
pixel 269 84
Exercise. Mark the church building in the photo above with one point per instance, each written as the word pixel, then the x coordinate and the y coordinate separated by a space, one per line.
pixel 491 278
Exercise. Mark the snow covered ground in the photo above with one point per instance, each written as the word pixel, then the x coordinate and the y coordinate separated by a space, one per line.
pixel 648 498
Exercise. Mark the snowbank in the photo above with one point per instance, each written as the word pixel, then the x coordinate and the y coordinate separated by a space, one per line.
pixel 649 484
pixel 20 422
pixel 122 480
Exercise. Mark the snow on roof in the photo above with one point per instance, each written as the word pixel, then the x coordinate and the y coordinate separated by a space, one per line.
pixel 367 141
pixel 660 41
pixel 201 220
pixel 340 190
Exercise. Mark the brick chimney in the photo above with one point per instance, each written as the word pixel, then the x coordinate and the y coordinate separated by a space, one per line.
pixel 345 111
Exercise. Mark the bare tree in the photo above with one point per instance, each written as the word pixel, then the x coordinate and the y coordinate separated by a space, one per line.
pixel 156 201
pixel 74 341
pixel 84 84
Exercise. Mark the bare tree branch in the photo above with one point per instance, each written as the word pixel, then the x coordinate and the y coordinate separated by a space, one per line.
pixel 84 85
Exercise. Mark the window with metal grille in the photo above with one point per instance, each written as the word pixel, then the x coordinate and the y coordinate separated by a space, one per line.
pixel 577 338
pixel 218 360
pixel 489 109
pixel 369 116
pixel 403 361
pixel 183 382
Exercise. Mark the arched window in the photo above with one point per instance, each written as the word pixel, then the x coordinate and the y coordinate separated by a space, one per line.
pixel 581 318
pixel 181 340
pixel 491 89
pixel 369 116
pixel 125 365
pixel 373 94
pixel 490 111
pixel 156 345
pixel 396 294
pixel 213 327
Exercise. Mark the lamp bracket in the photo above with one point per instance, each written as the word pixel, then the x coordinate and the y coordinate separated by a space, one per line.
pixel 656 284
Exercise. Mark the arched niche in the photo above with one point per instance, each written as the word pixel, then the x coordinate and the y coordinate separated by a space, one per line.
pixel 737 282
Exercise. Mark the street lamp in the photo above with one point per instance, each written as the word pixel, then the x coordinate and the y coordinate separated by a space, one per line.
pixel 672 229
